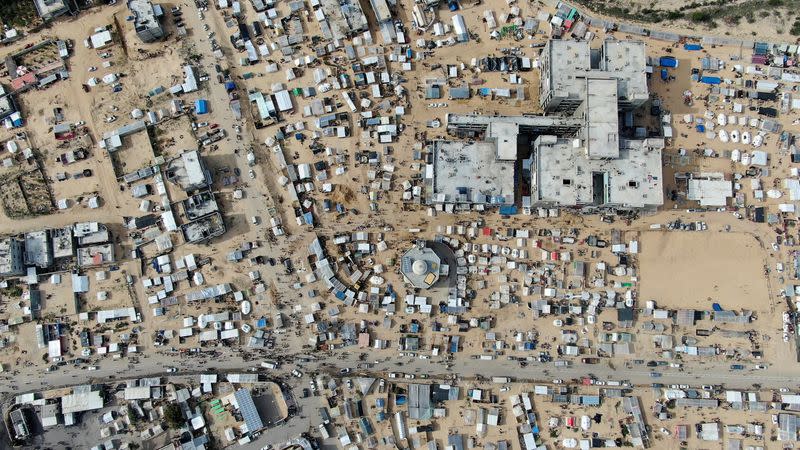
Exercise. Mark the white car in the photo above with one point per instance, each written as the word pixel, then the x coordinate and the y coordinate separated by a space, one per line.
pixel 110 119
pixel 92 69
pixel 246 328
pixel 395 375
pixel 297 373
pixel 409 376
pixel 558 323
pixel 172 369
pixel 558 381
pixel 251 173
pixel 424 357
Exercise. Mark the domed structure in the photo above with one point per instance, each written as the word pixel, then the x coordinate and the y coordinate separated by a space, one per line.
pixel 419 267
pixel 422 266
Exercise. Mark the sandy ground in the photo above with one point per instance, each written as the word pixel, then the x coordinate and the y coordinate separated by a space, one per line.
pixel 706 271
pixel 703 268
pixel 762 23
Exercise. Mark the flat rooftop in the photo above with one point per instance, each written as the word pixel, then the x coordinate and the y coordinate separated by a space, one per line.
pixel 95 255
pixel 469 172
pixel 626 61
pixel 188 171
pixel 504 134
pixel 344 17
pixel 203 229
pixel 143 12
pixel 602 122
pixel 37 249
pixel 62 242
pixel 199 205
pixel 563 175
pixel 568 61
pixel 50 8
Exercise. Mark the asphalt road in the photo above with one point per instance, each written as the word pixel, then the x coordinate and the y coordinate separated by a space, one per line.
pixel 694 373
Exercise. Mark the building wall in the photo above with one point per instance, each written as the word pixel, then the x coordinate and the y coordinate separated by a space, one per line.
pixel 150 34
pixel 12 255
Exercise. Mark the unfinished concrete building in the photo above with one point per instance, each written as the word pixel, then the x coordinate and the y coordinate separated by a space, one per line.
pixel 566 66
pixel 575 156
pixel 146 20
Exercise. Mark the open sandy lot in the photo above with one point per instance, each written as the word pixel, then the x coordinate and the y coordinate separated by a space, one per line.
pixel 692 270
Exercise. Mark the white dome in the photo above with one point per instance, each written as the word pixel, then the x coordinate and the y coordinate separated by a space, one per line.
pixel 419 267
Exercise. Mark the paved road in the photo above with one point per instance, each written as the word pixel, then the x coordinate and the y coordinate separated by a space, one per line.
pixel 716 372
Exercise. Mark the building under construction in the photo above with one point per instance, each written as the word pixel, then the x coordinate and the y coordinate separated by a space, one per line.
pixel 573 156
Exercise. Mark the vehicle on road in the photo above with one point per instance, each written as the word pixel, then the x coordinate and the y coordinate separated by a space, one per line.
pixel 172 369
pixel 655 374
pixel 737 366
pixel 251 173
pixel 590 360
pixel 297 373
pixel 345 370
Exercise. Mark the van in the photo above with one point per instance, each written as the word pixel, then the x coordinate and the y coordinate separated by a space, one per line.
pixel 269 365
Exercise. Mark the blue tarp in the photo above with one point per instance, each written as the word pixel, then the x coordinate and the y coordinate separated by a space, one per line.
pixel 230 85
pixel 201 106
pixel 508 210
pixel 261 323
pixel 309 218
pixel 668 61
pixel 664 74
pixel 716 307
pixel 692 47
pixel 711 80
pixel 700 128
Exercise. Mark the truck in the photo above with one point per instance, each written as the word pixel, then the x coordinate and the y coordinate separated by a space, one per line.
pixel 269 365
pixel 501 380
pixel 590 360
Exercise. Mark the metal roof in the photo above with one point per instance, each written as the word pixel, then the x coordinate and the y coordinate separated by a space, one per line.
pixel 248 410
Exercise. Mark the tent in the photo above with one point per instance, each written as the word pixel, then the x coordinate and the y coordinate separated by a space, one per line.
pixel 201 106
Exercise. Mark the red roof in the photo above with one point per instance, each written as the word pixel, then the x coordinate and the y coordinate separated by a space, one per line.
pixel 20 82
pixel 487 231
